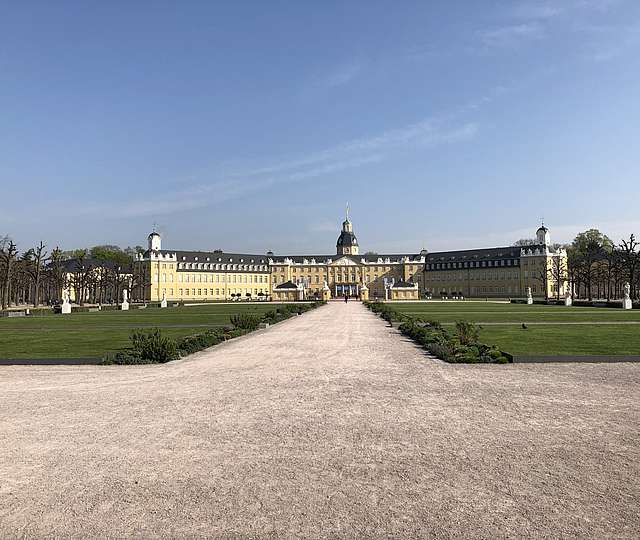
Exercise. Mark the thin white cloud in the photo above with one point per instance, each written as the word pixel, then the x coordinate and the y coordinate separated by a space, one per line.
pixel 340 75
pixel 541 19
pixel 350 155
pixel 537 10
pixel 427 132
pixel 511 35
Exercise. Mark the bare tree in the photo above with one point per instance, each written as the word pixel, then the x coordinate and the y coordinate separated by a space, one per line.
pixel 8 252
pixel 36 270
pixel 557 273
pixel 630 258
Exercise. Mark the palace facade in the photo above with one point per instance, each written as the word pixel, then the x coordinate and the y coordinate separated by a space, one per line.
pixel 219 275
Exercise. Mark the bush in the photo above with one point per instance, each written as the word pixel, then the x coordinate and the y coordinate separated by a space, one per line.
pixel 195 343
pixel 245 321
pixel 153 346
pixel 124 358
pixel 467 332
pixel 461 347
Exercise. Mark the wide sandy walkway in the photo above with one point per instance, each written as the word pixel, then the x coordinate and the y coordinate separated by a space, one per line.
pixel 328 425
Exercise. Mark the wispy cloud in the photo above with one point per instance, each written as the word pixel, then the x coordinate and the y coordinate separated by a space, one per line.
pixel 349 155
pixel 537 10
pixel 340 75
pixel 335 76
pixel 537 20
pixel 427 132
pixel 511 35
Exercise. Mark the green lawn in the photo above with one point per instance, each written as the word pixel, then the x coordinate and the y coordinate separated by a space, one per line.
pixel 596 335
pixel 90 335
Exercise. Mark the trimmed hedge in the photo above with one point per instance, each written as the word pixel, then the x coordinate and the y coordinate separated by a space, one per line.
pixel 151 347
pixel 460 346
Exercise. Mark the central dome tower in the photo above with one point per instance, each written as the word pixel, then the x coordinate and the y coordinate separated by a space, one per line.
pixel 347 243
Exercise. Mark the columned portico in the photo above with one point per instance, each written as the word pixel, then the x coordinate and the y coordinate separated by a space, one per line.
pixel 349 289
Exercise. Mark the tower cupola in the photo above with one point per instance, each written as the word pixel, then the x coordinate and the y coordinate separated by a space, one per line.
pixel 347 242
pixel 154 241
pixel 542 235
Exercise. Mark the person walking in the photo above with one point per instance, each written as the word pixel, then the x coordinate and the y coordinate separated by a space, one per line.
pixel 346 298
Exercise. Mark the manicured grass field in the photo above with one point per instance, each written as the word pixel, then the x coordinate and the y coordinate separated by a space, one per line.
pixel 551 330
pixel 90 335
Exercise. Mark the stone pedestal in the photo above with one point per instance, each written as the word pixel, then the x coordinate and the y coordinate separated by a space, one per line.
pixel 326 292
pixel 364 293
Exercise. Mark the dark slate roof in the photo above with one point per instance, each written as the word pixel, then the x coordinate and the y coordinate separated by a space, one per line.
pixel 401 284
pixel 393 257
pixel 486 254
pixel 347 238
pixel 287 285
pixel 73 265
pixel 322 259
pixel 213 256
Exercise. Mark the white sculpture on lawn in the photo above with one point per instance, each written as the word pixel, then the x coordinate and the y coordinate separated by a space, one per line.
pixel 626 301
pixel 529 297
pixel 125 300
pixel 568 300
pixel 163 303
pixel 66 305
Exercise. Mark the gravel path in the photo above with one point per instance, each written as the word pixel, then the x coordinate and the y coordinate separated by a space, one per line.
pixel 328 425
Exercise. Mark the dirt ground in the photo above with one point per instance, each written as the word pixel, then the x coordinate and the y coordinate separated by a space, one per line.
pixel 328 425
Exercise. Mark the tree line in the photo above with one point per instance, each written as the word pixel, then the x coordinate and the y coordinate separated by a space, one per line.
pixel 599 268
pixel 36 276
pixel 596 267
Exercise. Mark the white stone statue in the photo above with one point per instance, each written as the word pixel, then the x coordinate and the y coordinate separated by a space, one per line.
pixel 568 300
pixel 125 300
pixel 163 303
pixel 626 301
pixel 66 305
pixel 529 296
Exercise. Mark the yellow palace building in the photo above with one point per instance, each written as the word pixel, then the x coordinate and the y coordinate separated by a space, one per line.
pixel 219 275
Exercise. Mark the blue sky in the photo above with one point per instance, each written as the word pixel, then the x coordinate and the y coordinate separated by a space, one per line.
pixel 249 125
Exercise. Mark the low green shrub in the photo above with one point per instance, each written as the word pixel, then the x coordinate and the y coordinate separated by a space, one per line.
pixel 124 358
pixel 245 321
pixel 152 345
pixel 461 346
pixel 467 332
